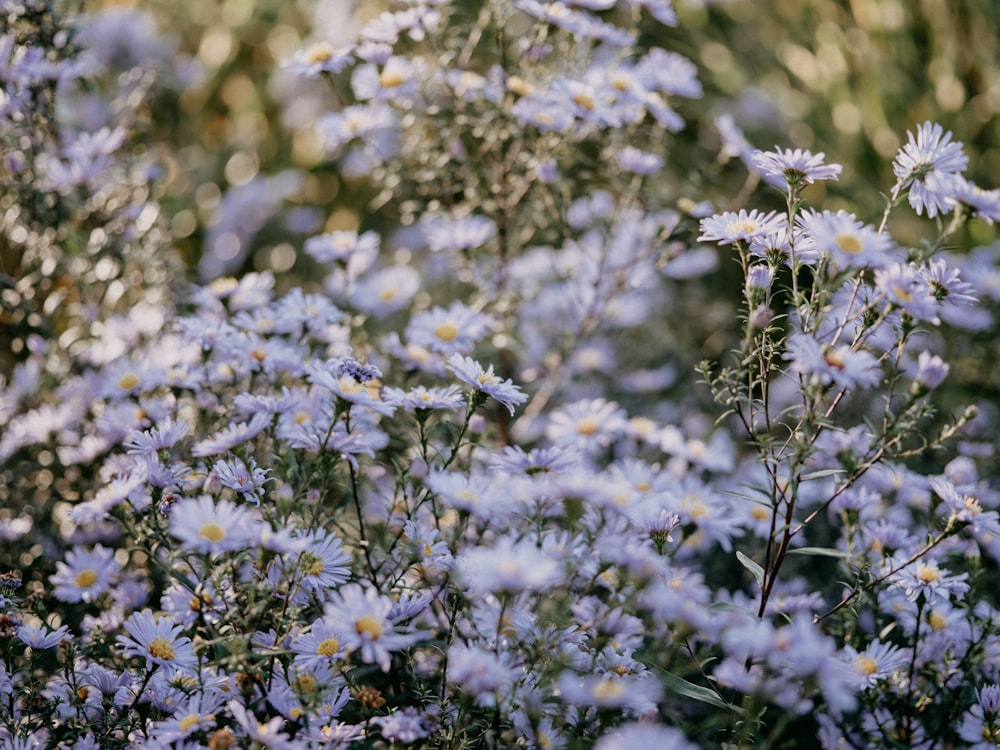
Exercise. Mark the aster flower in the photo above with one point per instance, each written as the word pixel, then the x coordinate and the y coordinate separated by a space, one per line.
pixel 507 566
pixel 386 291
pixel 644 735
pixel 85 575
pixel 318 58
pixel 848 242
pixel 925 577
pixel 360 618
pixel 158 641
pixel 453 235
pixel 903 286
pixel 406 726
pixel 930 371
pixel 231 436
pixel 448 331
pixel 483 674
pixel 319 646
pixel 791 168
pixel 728 228
pixel 40 637
pixel 634 695
pixel 208 527
pixel 823 363
pixel 164 435
pixel 323 564
pixel 469 371
pixel 349 383
pixel 922 161
pixel 248 481
pixel 589 425
pixel 421 397
pixel 877 662
pixel 984 204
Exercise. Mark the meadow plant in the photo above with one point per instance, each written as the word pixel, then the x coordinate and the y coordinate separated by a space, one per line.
pixel 467 488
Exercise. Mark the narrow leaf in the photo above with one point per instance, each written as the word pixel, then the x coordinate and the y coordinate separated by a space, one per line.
pixel 822 551
pixel 754 568
pixel 689 690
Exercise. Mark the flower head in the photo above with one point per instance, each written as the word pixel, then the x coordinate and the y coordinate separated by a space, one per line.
pixel 469 371
pixel 792 168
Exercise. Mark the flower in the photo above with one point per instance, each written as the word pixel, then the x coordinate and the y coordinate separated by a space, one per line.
pixel 643 735
pixel 824 363
pixel 511 566
pixel 482 673
pixel 903 286
pixel 453 235
pixel 231 436
pixel 791 168
pixel 877 662
pixel 729 227
pixel 85 575
pixel 41 637
pixel 247 481
pixel 469 371
pixel 207 527
pixel 319 646
pixel 848 242
pixel 922 161
pixel 158 641
pixel 360 619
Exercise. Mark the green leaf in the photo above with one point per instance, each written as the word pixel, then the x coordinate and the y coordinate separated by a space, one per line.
pixel 821 551
pixel 754 568
pixel 822 473
pixel 689 690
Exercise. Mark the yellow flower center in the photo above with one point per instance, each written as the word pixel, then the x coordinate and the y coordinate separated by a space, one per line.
pixel 518 85
pixel 160 648
pixel 586 101
pixel 387 294
pixel 369 625
pixel 849 243
pixel 128 381
pixel 587 426
pixel 328 647
pixel 86 578
pixel 937 621
pixel 447 331
pixel 319 53
pixel 902 293
pixel 349 385
pixel 390 79
pixel 833 358
pixel 301 417
pixel 928 573
pixel 607 689
pixel 189 721
pixel 866 665
pixel 212 531
pixel 306 683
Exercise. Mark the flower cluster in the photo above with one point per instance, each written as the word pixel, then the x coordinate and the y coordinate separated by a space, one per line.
pixel 461 489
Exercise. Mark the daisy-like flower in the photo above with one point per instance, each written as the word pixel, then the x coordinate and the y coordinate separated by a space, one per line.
pixel 636 695
pixel 349 383
pixel 508 566
pixel 926 577
pixel 903 286
pixel 421 397
pixel 85 575
pixel 246 480
pixel 320 646
pixel 729 227
pixel 448 331
pixel 452 235
pixel 823 363
pixel 848 242
pixel 197 713
pixel 982 203
pixel 318 58
pixel 589 425
pixel 158 641
pixel 877 662
pixel 469 371
pixel 323 564
pixel 41 637
pixel 342 245
pixel 644 735
pixel 360 618
pixel 922 161
pixel 166 434
pixel 386 291
pixel 231 436
pixel 207 527
pixel 483 674
pixel 791 168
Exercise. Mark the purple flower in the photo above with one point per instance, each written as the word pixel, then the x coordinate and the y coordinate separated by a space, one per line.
pixel 921 163
pixel 825 363
pixel 792 168
pixel 730 227
pixel 469 371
